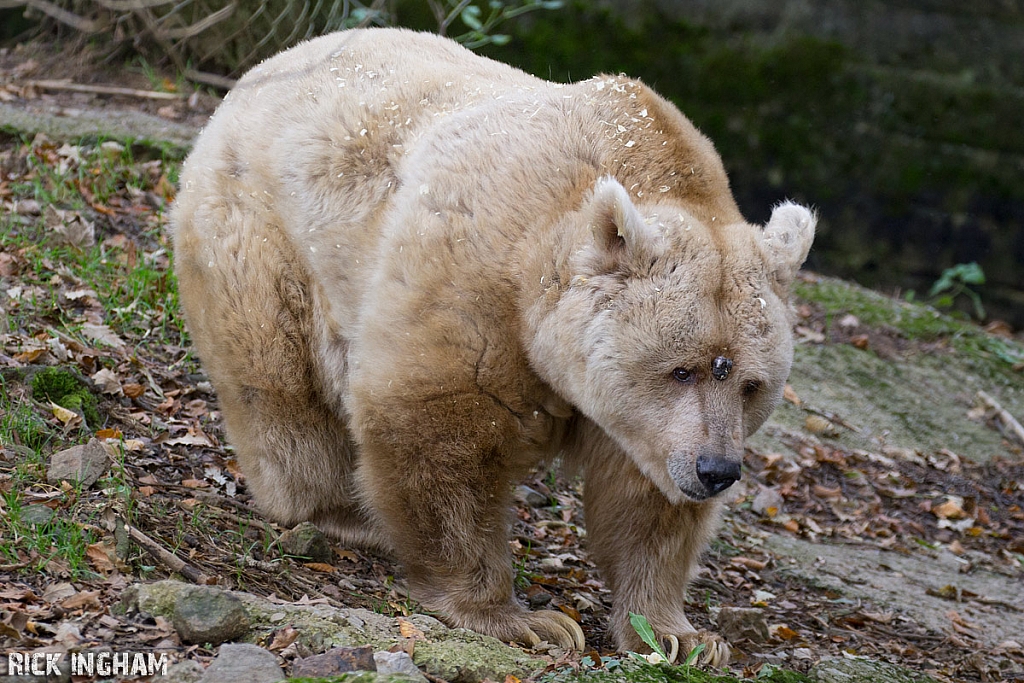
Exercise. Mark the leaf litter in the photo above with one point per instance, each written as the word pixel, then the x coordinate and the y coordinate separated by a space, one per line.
pixel 175 501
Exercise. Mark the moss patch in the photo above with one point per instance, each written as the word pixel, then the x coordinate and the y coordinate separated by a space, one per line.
pixel 67 390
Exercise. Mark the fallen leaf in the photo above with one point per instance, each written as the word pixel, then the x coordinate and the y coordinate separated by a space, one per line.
pixel 283 638
pixel 409 630
pixel 107 381
pixel 100 555
pixel 30 356
pixel 789 394
pixel 68 418
pixel 103 334
pixel 195 483
pixel 782 632
pixel 84 599
pixel 199 439
pixel 951 508
pixel 320 567
pixel 571 611
pixel 114 433
pixel 58 592
pixel 132 390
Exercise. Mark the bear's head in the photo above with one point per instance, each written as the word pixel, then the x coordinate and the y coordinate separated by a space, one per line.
pixel 674 335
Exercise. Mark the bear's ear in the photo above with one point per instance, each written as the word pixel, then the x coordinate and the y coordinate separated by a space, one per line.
pixel 618 227
pixel 787 238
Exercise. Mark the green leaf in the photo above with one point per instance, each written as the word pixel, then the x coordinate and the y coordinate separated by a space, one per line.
pixel 643 629
pixel 471 17
pixel 694 653
pixel 500 39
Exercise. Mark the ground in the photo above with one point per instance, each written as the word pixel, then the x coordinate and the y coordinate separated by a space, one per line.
pixel 881 513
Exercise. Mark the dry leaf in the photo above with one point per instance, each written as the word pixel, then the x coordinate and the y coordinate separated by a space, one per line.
pixel 789 394
pixel 114 433
pixel 952 508
pixel 58 592
pixel 132 390
pixel 410 630
pixel 103 334
pixel 320 567
pixel 783 632
pixel 195 483
pixel 30 356
pixel 107 381
pixel 99 555
pixel 283 638
pixel 69 418
pixel 85 599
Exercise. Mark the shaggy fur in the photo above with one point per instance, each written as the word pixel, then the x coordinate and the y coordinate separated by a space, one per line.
pixel 413 273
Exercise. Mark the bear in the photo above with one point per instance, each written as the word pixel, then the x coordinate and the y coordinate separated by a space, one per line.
pixel 412 274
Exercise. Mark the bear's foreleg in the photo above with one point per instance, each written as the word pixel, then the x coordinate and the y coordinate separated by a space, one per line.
pixel 436 473
pixel 646 549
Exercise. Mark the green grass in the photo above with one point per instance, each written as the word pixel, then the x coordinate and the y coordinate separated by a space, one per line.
pixel 129 266
pixel 990 356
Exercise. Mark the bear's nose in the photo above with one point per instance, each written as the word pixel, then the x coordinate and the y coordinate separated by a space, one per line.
pixel 717 474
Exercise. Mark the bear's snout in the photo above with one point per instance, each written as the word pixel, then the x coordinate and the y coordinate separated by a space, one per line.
pixel 716 473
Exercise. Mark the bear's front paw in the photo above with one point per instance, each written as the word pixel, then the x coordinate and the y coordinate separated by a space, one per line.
pixel 554 627
pixel 715 652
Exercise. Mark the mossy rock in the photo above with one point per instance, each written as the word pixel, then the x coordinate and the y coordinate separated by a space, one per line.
pixel 67 390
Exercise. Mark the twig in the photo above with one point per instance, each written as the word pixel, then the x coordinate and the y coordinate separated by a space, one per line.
pixel 167 558
pixel 11 567
pixel 833 418
pixel 66 17
pixel 105 90
pixel 208 497
pixel 206 78
pixel 1009 423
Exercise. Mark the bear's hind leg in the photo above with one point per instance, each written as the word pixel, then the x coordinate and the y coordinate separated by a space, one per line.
pixel 646 548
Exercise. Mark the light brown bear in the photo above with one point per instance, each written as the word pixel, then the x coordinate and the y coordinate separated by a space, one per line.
pixel 413 273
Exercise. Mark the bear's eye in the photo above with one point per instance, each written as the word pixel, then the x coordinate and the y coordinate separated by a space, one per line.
pixel 684 376
pixel 751 387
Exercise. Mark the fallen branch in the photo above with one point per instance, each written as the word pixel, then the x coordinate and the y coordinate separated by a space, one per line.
pixel 167 558
pixel 104 90
pixel 1011 427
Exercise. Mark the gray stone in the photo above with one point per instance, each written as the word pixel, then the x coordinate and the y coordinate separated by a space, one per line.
pixel 743 623
pixel 204 614
pixel 531 497
pixel 398 663
pixel 305 540
pixel 36 514
pixel 335 661
pixel 237 662
pixel 456 655
pixel 835 670
pixel 82 464
pixel 186 671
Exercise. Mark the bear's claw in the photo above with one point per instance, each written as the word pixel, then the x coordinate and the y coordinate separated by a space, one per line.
pixel 556 628
pixel 715 653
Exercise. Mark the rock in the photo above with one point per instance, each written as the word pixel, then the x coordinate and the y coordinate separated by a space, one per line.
pixel 767 503
pixel 36 514
pixel 305 540
pixel 835 670
pixel 237 662
pixel 743 623
pixel 204 614
pixel 82 464
pixel 398 663
pixel 456 655
pixel 531 497
pixel 335 661
pixel 186 671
